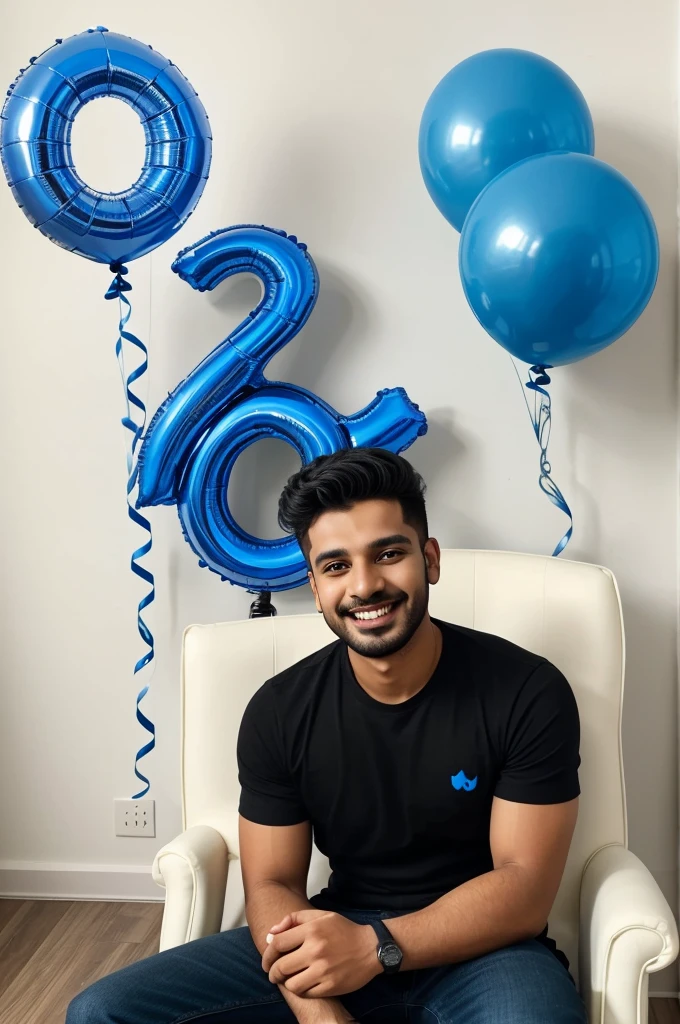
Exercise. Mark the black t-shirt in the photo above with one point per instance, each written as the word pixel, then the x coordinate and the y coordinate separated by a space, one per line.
pixel 400 795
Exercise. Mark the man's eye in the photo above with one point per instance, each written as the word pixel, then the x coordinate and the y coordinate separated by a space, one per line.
pixel 391 553
pixel 334 566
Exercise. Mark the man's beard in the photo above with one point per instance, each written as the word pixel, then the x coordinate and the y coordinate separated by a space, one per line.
pixel 370 646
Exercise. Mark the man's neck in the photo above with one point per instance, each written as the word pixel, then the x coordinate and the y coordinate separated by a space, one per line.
pixel 393 680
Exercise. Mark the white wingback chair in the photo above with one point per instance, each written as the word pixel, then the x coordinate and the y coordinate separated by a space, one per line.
pixel 610 916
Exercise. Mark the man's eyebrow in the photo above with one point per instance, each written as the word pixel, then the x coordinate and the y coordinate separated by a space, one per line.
pixel 333 553
pixel 384 542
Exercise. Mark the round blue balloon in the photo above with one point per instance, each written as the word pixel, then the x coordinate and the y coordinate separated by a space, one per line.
pixel 35 145
pixel 558 257
pixel 490 111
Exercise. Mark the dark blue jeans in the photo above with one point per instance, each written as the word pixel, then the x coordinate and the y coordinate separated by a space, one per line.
pixel 219 980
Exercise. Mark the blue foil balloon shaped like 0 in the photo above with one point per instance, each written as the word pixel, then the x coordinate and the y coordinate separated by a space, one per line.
pixel 493 109
pixel 227 404
pixel 35 145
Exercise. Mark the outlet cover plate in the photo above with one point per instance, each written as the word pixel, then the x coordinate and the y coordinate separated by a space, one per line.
pixel 135 817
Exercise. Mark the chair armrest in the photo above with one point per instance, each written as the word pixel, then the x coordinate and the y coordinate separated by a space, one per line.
pixel 193 868
pixel 627 931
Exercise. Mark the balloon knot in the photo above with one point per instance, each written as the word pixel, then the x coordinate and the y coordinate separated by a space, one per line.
pixel 542 377
pixel 119 284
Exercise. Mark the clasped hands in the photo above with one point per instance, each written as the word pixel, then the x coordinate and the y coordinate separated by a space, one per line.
pixel 320 954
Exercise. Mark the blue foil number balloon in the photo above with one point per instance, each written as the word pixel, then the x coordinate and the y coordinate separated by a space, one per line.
pixel 227 404
pixel 35 145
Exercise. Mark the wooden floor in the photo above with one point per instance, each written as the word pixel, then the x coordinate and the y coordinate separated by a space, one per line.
pixel 664 1011
pixel 51 949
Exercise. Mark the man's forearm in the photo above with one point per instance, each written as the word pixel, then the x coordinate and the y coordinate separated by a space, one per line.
pixel 267 904
pixel 488 912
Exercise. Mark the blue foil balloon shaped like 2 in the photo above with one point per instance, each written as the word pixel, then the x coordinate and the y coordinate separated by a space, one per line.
pixel 490 111
pixel 558 258
pixel 35 145
pixel 227 404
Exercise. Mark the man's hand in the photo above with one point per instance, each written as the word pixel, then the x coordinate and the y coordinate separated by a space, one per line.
pixel 271 953
pixel 318 954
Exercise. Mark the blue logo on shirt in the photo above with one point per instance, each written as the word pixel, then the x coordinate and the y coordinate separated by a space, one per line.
pixel 461 781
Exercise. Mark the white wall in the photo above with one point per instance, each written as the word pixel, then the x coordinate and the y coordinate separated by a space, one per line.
pixel 315 110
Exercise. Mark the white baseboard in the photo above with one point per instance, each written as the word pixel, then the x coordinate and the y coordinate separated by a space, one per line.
pixel 42 881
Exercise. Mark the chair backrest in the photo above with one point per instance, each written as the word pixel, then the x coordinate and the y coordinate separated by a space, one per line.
pixel 569 612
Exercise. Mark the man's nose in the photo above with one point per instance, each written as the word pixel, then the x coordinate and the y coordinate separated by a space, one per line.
pixel 366 582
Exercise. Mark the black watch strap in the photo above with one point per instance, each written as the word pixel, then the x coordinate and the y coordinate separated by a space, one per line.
pixel 382 931
pixel 389 953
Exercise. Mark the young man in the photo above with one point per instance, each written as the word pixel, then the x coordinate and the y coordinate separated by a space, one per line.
pixel 437 767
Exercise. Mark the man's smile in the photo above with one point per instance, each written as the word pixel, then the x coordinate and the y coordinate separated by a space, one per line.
pixel 375 616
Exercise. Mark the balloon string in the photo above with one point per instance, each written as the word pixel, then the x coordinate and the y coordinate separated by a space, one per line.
pixel 117 289
pixel 541 420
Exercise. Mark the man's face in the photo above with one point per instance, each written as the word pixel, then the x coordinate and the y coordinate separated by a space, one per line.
pixel 369 576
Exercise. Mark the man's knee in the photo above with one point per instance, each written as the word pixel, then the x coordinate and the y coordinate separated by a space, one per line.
pixel 89 1007
pixel 532 987
pixel 522 984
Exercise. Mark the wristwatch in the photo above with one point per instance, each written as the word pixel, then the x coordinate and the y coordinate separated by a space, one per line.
pixel 389 954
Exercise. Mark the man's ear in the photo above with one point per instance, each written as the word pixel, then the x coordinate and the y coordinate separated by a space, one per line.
pixel 432 555
pixel 312 583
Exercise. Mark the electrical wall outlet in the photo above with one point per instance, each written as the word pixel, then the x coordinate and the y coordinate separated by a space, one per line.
pixel 135 817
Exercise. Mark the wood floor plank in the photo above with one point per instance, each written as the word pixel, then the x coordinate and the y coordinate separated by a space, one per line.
pixel 664 1011
pixel 90 920
pixel 7 910
pixel 43 993
pixel 26 930
pixel 91 940
pixel 151 944
pixel 35 916
pixel 133 922
pixel 57 989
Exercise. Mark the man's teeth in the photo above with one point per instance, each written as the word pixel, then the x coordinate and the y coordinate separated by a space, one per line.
pixel 373 615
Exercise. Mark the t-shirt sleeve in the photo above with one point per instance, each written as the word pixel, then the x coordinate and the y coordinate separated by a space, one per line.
pixel 269 795
pixel 542 736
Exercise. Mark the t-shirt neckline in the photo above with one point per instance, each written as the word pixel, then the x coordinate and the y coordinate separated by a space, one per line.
pixel 438 674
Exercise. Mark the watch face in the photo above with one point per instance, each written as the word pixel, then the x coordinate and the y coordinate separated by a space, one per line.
pixel 390 954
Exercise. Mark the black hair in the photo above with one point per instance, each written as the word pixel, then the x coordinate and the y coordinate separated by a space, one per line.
pixel 339 481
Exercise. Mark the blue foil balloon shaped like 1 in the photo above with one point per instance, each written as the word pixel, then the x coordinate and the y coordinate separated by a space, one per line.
pixel 558 258
pixel 35 145
pixel 493 109
pixel 227 404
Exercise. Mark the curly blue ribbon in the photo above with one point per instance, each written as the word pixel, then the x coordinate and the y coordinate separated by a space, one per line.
pixel 541 420
pixel 117 290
